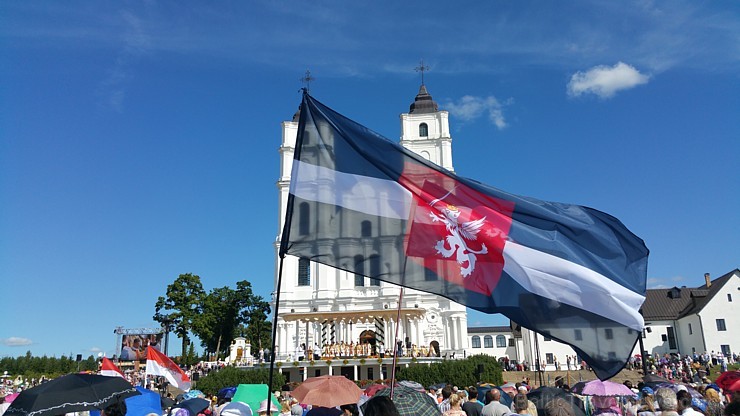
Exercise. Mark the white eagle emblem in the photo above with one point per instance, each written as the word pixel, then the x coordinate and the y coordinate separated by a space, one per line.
pixel 457 236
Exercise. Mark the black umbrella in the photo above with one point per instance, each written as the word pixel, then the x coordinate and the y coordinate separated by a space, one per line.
pixel 544 395
pixel 71 393
pixel 195 405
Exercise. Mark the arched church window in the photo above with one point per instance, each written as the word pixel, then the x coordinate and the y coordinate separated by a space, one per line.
pixel 366 229
pixel 476 341
pixel 374 269
pixel 359 271
pixel 304 272
pixel 488 341
pixel 423 130
pixel 500 341
pixel 304 212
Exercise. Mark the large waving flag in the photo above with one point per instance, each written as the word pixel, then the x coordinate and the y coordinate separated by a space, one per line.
pixel 108 368
pixel 361 203
pixel 158 364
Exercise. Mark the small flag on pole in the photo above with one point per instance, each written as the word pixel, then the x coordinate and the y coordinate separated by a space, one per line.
pixel 361 203
pixel 108 368
pixel 158 364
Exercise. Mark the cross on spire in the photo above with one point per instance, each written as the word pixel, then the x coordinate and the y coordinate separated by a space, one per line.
pixel 306 79
pixel 421 68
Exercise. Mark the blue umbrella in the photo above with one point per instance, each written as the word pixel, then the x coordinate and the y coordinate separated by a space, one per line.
pixel 226 393
pixel 148 402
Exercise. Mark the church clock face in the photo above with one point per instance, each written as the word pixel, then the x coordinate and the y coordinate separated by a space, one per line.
pixel 432 318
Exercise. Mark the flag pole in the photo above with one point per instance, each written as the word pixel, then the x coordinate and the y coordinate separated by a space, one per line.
pixel 395 340
pixel 274 331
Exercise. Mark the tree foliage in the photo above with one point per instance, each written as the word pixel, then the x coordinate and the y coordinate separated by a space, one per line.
pixel 232 377
pixel 179 310
pixel 216 317
pixel 456 372
pixel 29 367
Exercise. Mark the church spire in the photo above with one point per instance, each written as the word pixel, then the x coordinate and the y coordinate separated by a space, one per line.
pixel 423 103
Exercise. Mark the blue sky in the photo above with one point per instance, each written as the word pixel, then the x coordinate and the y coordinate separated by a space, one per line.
pixel 139 140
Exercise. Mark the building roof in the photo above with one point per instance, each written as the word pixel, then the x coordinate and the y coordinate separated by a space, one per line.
pixel 488 329
pixel 423 103
pixel 677 302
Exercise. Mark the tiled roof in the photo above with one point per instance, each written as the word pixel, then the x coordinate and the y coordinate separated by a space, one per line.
pixel 675 303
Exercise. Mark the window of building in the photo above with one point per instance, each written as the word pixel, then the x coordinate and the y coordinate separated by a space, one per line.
pixel 671 338
pixel 370 375
pixel 476 341
pixel 578 335
pixel 359 270
pixel 488 341
pixel 423 130
pixel 609 333
pixel 304 272
pixel 546 338
pixel 366 229
pixel 304 212
pixel 721 325
pixel 550 358
pixel 691 330
pixel 725 350
pixel 374 269
pixel 429 275
pixel 511 342
pixel 729 297
pixel 500 341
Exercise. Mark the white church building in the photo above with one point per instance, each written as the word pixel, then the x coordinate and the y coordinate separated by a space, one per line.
pixel 321 306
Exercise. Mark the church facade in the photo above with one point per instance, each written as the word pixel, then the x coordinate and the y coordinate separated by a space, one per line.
pixel 326 313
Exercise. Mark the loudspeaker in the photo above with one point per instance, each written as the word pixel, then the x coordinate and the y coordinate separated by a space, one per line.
pixel 196 376
pixel 480 368
pixel 79 357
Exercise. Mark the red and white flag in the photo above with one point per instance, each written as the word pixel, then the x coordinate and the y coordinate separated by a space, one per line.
pixel 109 369
pixel 158 364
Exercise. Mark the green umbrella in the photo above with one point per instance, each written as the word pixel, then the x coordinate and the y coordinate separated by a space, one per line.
pixel 253 394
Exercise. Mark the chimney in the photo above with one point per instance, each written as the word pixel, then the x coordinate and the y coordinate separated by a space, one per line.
pixel 707 279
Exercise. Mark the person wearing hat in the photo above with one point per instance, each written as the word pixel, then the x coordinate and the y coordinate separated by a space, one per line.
pixel 236 409
pixel 647 402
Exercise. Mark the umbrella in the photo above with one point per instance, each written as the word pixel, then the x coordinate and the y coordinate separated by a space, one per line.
pixel 374 388
pixel 484 388
pixel 192 394
pixel 729 381
pixel 676 387
pixel 226 393
pixel 544 395
pixel 9 398
pixel 71 393
pixel 410 402
pixel 603 388
pixel 253 395
pixel 509 388
pixel 145 403
pixel 194 406
pixel 327 391
pixel 654 379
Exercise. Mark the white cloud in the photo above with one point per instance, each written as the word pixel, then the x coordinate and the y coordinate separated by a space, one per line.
pixel 605 81
pixel 15 342
pixel 470 108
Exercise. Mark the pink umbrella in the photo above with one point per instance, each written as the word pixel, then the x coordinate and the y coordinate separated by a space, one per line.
pixel 605 389
pixel 9 398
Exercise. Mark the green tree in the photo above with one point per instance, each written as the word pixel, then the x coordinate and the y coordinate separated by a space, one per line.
pixel 217 323
pixel 254 313
pixel 181 307
pixel 224 314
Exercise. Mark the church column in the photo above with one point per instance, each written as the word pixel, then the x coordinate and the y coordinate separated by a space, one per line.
pixel 419 340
